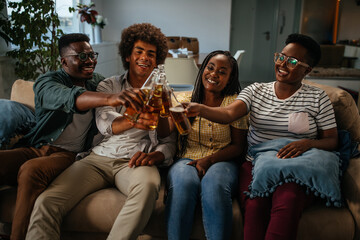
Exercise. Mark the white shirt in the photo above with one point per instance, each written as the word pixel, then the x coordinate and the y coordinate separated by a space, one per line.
pixel 126 144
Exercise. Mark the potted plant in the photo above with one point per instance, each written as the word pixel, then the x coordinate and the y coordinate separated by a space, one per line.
pixel 33 28
pixel 92 17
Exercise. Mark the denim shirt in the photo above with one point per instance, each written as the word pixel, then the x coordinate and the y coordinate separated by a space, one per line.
pixel 55 97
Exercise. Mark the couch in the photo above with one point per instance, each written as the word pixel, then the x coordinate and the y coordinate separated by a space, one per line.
pixel 93 217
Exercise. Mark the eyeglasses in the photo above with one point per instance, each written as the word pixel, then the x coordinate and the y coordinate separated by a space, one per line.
pixel 290 61
pixel 83 56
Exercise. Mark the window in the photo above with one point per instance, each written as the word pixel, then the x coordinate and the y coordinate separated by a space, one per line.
pixel 69 22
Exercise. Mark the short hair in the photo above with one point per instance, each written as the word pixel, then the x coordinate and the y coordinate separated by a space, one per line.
pixel 232 87
pixel 145 32
pixel 66 39
pixel 313 54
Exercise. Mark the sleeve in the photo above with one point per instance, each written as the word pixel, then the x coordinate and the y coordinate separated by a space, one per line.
pixel 167 146
pixel 241 123
pixel 105 115
pixel 52 93
pixel 325 119
pixel 246 95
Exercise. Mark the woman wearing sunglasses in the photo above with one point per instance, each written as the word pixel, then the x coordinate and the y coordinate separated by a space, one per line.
pixel 289 120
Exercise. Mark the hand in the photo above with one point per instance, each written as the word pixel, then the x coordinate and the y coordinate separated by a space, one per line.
pixel 146 159
pixel 201 165
pixel 128 97
pixel 145 120
pixel 294 149
pixel 192 109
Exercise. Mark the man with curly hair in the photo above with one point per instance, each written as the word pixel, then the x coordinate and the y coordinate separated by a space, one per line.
pixel 127 157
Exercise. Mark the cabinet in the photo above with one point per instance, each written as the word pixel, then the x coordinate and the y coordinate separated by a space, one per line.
pixel 353 52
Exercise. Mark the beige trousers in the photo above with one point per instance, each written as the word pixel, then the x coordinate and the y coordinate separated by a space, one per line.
pixel 141 185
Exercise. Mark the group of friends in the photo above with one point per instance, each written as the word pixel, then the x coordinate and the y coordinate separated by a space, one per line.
pixel 79 111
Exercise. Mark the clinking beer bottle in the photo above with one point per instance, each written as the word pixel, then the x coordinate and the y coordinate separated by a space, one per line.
pixel 166 93
pixel 131 114
pixel 155 99
pixel 166 100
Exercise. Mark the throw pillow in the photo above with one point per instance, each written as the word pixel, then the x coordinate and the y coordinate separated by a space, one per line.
pixel 318 170
pixel 15 119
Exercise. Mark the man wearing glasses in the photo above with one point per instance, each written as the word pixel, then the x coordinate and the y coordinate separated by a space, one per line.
pixel 128 156
pixel 64 125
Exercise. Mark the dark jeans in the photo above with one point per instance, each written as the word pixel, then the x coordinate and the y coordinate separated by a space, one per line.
pixel 32 170
pixel 275 217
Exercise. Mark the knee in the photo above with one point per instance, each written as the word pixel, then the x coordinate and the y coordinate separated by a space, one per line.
pixel 257 204
pixel 31 174
pixel 147 187
pixel 182 177
pixel 45 204
pixel 290 193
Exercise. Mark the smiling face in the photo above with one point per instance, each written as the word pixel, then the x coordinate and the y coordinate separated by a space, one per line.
pixel 294 75
pixel 76 68
pixel 142 61
pixel 216 73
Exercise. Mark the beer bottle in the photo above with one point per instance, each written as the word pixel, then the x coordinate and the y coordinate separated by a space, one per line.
pixel 166 99
pixel 155 100
pixel 131 114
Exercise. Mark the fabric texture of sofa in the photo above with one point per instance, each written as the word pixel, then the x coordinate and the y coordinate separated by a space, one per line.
pixel 93 217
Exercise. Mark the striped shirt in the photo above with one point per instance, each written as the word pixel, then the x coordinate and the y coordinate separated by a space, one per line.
pixel 299 116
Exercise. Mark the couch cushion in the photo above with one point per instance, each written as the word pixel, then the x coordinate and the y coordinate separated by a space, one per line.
pixel 346 111
pixel 16 119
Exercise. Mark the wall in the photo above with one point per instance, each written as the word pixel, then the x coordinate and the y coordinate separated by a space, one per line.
pixel 349 21
pixel 208 20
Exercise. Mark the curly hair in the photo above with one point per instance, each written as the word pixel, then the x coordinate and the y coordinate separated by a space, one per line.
pixel 232 87
pixel 66 39
pixel 145 32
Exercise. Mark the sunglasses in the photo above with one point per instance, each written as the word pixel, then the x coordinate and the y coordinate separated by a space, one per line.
pixel 83 56
pixel 290 61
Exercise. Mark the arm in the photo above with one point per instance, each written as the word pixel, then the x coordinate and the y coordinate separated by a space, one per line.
pixel 128 97
pixel 232 151
pixel 121 124
pixel 328 140
pixel 222 115
pixel 108 118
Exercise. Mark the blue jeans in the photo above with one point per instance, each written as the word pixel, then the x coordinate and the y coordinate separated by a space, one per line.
pixel 215 191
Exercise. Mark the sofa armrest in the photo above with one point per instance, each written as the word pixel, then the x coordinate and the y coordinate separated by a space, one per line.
pixel 351 190
pixel 22 92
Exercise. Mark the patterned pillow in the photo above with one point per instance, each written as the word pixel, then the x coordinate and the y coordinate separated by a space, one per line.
pixel 16 119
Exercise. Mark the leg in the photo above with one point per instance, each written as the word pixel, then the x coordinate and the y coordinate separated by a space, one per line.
pixel 11 161
pixel 33 178
pixel 183 195
pixel 288 202
pixel 76 182
pixel 256 211
pixel 141 185
pixel 218 186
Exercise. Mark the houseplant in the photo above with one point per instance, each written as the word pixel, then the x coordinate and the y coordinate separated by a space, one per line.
pixel 92 17
pixel 33 29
